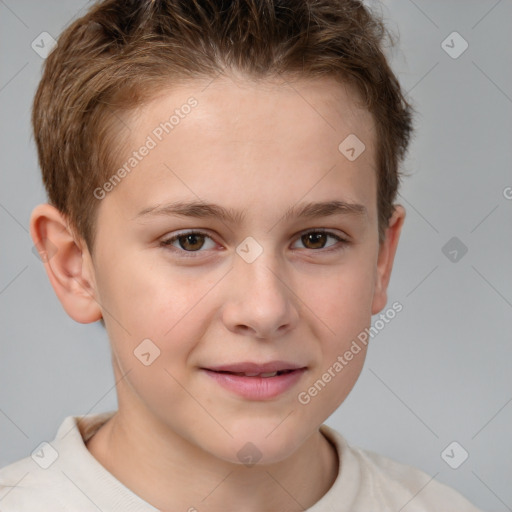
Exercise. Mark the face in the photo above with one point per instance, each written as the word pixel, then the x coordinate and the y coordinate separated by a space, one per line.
pixel 247 279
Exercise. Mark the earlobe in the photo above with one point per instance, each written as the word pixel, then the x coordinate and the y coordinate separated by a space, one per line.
pixel 63 258
pixel 387 251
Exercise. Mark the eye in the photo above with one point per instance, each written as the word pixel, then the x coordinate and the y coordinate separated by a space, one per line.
pixel 317 238
pixel 190 241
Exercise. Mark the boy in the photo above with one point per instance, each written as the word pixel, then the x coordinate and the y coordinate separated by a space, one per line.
pixel 221 180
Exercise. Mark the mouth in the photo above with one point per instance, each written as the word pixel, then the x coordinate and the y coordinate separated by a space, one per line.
pixel 257 381
pixel 264 375
pixel 250 369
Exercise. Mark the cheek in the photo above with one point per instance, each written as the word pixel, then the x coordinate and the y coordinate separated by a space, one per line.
pixel 330 384
pixel 146 299
pixel 157 305
pixel 342 299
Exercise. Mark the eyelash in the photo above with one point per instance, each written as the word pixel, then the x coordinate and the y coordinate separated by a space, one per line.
pixel 192 254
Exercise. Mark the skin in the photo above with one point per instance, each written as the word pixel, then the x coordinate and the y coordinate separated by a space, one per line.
pixel 261 148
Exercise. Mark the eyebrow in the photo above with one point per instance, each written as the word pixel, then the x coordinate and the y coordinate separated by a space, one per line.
pixel 199 209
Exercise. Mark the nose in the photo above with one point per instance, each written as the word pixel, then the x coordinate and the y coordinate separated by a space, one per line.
pixel 260 301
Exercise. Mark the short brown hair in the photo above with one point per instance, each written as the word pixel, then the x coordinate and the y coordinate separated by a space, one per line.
pixel 122 52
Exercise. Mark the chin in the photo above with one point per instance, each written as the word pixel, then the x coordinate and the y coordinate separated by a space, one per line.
pixel 261 444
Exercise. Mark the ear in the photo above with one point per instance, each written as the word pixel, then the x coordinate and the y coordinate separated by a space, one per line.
pixel 67 263
pixel 385 259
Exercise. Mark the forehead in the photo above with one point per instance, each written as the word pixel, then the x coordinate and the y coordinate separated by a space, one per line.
pixel 320 103
pixel 259 109
pixel 245 141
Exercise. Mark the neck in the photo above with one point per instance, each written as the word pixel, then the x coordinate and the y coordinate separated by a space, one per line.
pixel 178 475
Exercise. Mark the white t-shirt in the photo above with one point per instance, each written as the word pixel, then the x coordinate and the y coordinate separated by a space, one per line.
pixel 63 476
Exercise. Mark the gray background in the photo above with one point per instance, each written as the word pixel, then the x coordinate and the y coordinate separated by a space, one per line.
pixel 439 372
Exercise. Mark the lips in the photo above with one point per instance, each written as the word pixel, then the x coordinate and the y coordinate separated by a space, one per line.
pixel 250 369
pixel 257 374
pixel 257 381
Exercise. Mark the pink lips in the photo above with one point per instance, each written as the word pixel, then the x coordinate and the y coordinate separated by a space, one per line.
pixel 248 367
pixel 254 381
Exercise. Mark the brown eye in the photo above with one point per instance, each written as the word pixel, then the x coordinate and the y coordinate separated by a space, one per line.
pixel 318 239
pixel 190 242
